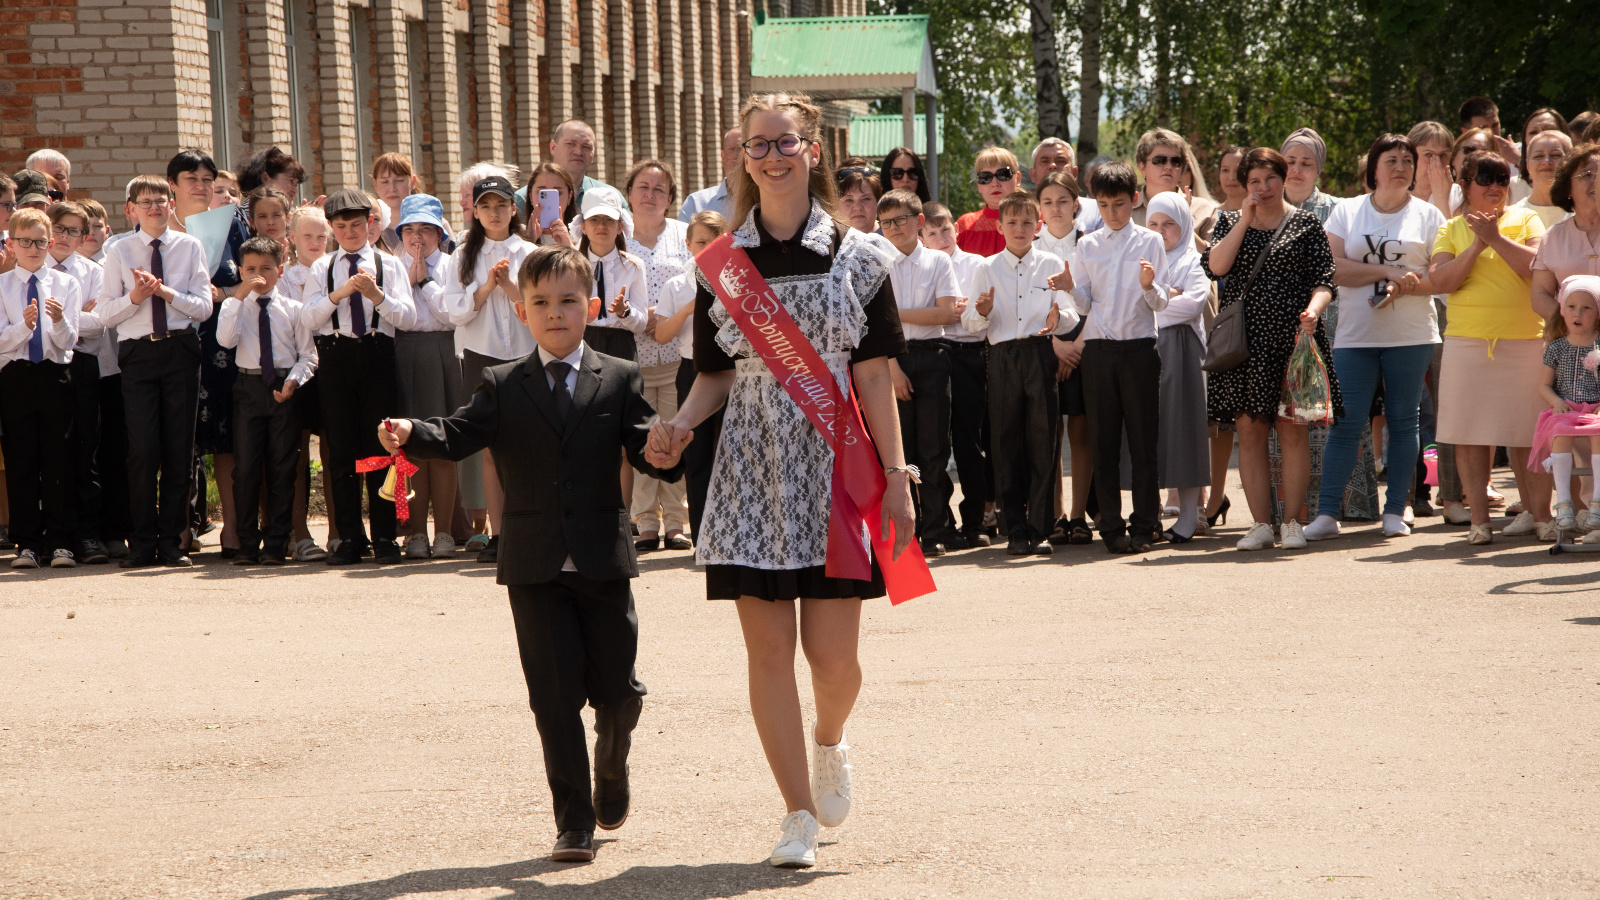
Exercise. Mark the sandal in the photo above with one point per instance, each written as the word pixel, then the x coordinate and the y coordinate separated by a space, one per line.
pixel 306 550
pixel 1078 532
pixel 477 543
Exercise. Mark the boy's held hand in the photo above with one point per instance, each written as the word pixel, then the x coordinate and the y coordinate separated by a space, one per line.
pixel 363 282
pixel 666 443
pixel 89 307
pixel 1147 274
pixel 1062 282
pixel 393 434
pixel 986 302
pixel 902 384
pixel 283 395
pixel 30 315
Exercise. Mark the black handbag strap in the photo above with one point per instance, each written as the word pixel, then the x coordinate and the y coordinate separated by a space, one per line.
pixel 1261 258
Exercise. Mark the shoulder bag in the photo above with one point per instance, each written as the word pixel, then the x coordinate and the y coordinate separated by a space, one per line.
pixel 1226 347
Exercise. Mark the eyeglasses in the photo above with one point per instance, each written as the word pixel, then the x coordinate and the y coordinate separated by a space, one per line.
pixel 898 172
pixel 787 145
pixel 1586 175
pixel 1003 173
pixel 67 231
pixel 896 223
pixel 1484 179
pixel 31 243
pixel 1177 162
pixel 151 204
pixel 9 206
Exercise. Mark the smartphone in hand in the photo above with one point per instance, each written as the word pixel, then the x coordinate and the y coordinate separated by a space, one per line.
pixel 549 207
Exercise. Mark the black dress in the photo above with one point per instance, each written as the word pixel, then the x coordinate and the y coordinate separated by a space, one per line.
pixel 765 526
pixel 1300 262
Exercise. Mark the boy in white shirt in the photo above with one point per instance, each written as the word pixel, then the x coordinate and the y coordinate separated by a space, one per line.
pixel 930 300
pixel 275 355
pixel 38 328
pixel 1015 305
pixel 969 400
pixel 1115 290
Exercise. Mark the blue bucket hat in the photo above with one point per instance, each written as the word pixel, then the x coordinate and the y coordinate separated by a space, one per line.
pixel 423 208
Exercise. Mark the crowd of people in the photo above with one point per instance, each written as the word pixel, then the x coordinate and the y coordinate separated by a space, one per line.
pixel 574 386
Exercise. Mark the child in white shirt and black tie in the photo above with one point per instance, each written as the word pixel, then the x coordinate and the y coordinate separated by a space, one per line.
pixel 275 355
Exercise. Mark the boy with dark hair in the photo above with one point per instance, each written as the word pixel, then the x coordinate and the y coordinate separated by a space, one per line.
pixel 1480 112
pixel 556 421
pixel 157 289
pixel 1115 290
pixel 275 354
pixel 354 299
pixel 1014 303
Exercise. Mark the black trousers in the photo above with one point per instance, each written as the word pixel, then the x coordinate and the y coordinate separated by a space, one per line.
pixel 86 488
pixel 116 517
pixel 701 452
pixel 578 639
pixel 161 397
pixel 1122 390
pixel 36 418
pixel 925 433
pixel 1024 414
pixel 969 429
pixel 356 391
pixel 616 342
pixel 266 445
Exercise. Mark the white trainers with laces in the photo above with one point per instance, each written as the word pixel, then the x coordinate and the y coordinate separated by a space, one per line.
pixel 1259 537
pixel 417 547
pixel 443 545
pixel 26 559
pixel 797 849
pixel 1292 536
pixel 830 780
pixel 1522 524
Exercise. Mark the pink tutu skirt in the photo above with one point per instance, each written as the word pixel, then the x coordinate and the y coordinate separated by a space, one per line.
pixel 1581 421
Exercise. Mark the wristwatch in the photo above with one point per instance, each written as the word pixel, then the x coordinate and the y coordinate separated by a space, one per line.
pixel 426 279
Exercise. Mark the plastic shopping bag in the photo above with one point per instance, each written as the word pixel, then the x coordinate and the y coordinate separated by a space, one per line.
pixel 1306 397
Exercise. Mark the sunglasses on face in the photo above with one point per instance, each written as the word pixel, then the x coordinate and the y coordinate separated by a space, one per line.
pixel 842 174
pixel 898 172
pixel 1177 162
pixel 787 145
pixel 56 196
pixel 1484 179
pixel 1003 173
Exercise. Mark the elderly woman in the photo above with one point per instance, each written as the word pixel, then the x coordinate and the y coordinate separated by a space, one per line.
pixel 1286 297
pixel 1493 347
pixel 1542 156
pixel 902 171
pixel 1387 326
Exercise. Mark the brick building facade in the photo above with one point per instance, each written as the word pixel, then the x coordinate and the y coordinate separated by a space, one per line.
pixel 121 85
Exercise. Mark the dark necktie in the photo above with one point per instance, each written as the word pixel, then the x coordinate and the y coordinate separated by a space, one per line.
pixel 558 373
pixel 358 314
pixel 158 306
pixel 264 338
pixel 600 287
pixel 36 340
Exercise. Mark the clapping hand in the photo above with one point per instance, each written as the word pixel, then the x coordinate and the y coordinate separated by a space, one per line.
pixel 8 260
pixel 619 304
pixel 1147 274
pixel 54 309
pixel 282 396
pixel 30 315
pixel 1062 282
pixel 144 285
pixel 1485 226
pixel 666 444
pixel 392 433
pixel 502 276
pixel 985 302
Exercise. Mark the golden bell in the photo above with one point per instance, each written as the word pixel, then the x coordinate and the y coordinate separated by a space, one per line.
pixel 387 491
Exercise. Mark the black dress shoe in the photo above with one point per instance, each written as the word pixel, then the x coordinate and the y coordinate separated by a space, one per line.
pixel 93 553
pixel 1118 543
pixel 679 542
pixel 117 549
pixel 1139 543
pixel 931 547
pixel 955 540
pixel 573 846
pixel 648 544
pixel 348 554
pixel 1041 548
pixel 246 558
pixel 173 558
pixel 613 729
pixel 275 557
pixel 978 539
pixel 139 559
pixel 1017 547
pixel 491 554
pixel 385 552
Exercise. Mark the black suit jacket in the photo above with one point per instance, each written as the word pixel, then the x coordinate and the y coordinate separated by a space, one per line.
pixel 563 493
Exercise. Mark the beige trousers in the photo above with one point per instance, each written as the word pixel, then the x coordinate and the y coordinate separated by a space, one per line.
pixel 656 501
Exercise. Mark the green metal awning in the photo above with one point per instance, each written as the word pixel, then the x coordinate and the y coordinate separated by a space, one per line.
pixel 843 57
pixel 874 136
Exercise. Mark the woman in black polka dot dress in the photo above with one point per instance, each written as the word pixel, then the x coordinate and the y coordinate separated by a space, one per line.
pixel 1293 288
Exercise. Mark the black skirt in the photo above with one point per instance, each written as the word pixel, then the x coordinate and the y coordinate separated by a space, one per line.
pixel 1070 392
pixel 618 342
pixel 726 582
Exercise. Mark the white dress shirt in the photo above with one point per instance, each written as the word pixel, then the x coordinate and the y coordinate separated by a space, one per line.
pixel 919 279
pixel 574 360
pixel 492 329
pixel 58 337
pixel 621 269
pixel 1106 283
pixel 716 198
pixel 965 266
pixel 395 312
pixel 1022 297
pixel 679 291
pixel 428 298
pixel 184 269
pixel 238 326
pixel 91 330
pixel 1063 248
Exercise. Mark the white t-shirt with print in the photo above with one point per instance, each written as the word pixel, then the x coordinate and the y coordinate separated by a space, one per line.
pixel 1402 238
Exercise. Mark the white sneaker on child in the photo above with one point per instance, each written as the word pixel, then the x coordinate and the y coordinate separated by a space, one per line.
pixel 797 849
pixel 417 546
pixel 1322 528
pixel 1565 519
pixel 443 545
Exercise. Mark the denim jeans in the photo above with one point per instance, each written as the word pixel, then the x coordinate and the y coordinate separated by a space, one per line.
pixel 1359 370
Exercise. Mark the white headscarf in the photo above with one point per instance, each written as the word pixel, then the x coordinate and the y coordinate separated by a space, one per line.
pixel 1181 258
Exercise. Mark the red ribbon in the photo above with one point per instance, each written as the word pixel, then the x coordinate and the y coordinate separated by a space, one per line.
pixel 858 479
pixel 403 469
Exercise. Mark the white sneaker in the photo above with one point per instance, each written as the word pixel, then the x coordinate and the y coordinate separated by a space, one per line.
pixel 830 780
pixel 797 849
pixel 1457 514
pixel 1590 521
pixel 333 546
pixel 1322 528
pixel 416 547
pixel 1395 526
pixel 443 545
pixel 63 559
pixel 1292 536
pixel 26 559
pixel 1522 524
pixel 1259 537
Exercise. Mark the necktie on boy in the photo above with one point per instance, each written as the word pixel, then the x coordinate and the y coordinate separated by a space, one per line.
pixel 558 373
pixel 600 287
pixel 158 306
pixel 35 340
pixel 264 338
pixel 358 312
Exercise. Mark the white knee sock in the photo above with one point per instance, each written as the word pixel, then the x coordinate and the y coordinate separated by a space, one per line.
pixel 1561 470
pixel 1188 511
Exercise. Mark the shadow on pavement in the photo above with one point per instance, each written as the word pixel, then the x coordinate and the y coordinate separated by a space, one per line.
pixel 1576 583
pixel 705 882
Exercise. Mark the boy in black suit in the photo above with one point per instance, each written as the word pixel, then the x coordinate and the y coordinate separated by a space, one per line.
pixel 556 422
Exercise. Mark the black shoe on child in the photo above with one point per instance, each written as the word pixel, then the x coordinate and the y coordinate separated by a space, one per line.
pixel 1041 548
pixel 92 552
pixel 347 554
pixel 247 558
pixel 139 559
pixel 978 538
pixel 1018 546
pixel 931 547
pixel 491 553
pixel 385 552
pixel 273 557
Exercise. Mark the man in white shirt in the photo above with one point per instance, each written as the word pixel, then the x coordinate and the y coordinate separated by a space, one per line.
pixel 717 198
pixel 930 300
pixel 157 289
pixel 1115 289
pixel 355 298
pixel 1014 304
pixel 275 355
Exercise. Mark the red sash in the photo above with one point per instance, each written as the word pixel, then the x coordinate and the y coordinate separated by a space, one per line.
pixel 858 479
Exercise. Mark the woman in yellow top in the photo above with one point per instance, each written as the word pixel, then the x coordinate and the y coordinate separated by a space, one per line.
pixel 1493 343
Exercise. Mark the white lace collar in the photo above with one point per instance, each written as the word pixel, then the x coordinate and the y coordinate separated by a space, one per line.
pixel 817 236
